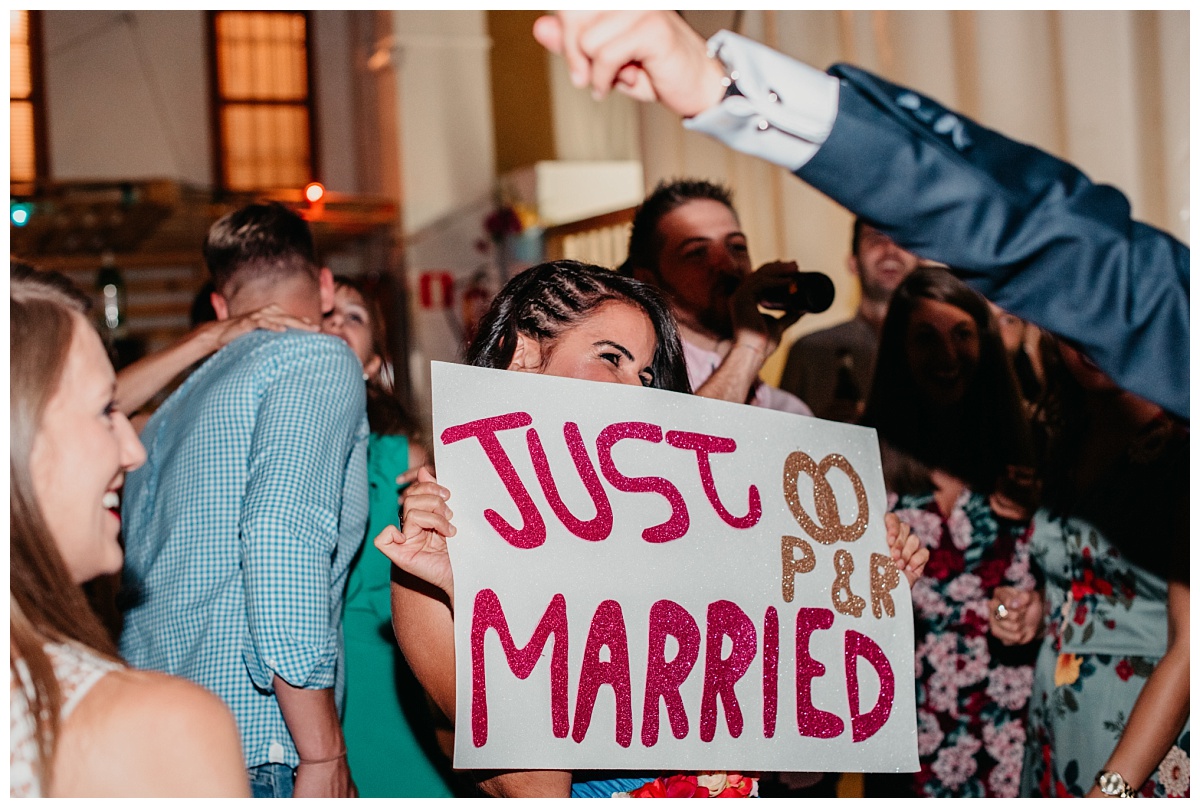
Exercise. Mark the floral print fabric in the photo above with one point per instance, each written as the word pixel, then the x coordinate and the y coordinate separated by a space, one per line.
pixel 972 692
pixel 1106 631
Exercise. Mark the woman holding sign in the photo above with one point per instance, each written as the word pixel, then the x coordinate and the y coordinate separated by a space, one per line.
pixel 1109 712
pixel 951 425
pixel 562 319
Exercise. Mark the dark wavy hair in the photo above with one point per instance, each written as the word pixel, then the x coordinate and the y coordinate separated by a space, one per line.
pixel 1145 492
pixel 645 242
pixel 547 300
pixel 265 239
pixel 987 430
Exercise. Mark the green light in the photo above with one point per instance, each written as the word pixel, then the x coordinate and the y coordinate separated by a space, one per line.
pixel 20 213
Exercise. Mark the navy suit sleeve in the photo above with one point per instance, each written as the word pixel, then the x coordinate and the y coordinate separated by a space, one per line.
pixel 1027 230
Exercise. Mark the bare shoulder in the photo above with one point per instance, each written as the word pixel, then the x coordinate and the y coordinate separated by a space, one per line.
pixel 163 701
pixel 138 733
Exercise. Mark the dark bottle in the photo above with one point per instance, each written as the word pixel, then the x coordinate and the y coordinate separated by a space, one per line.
pixel 807 293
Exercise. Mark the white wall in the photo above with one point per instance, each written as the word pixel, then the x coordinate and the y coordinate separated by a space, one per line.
pixel 333 63
pixel 127 96
pixel 447 144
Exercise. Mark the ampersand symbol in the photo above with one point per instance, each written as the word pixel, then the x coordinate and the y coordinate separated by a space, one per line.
pixel 831 530
pixel 844 600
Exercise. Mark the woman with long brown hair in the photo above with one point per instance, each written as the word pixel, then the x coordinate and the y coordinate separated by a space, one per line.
pixel 951 426
pixel 82 723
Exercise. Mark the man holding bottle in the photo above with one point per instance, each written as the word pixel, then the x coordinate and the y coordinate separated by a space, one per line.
pixel 687 241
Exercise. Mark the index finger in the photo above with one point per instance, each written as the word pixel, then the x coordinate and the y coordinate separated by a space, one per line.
pixel 1020 598
pixel 571 27
pixel 548 31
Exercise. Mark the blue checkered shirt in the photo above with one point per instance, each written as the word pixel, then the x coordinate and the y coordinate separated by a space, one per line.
pixel 240 527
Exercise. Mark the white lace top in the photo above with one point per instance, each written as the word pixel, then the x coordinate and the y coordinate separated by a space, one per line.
pixel 77 669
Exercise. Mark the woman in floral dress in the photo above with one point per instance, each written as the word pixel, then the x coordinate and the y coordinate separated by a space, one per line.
pixel 1111 691
pixel 951 425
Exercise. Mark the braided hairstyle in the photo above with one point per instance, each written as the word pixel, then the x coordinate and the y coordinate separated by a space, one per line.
pixel 549 299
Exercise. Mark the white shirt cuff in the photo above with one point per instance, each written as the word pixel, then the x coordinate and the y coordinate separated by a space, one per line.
pixel 786 108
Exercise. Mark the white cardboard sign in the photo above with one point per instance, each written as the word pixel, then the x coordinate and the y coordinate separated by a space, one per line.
pixel 650 580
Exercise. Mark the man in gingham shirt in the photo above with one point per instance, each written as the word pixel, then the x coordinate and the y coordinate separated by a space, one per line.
pixel 242 523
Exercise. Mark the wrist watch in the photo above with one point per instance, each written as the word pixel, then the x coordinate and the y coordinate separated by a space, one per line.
pixel 1113 784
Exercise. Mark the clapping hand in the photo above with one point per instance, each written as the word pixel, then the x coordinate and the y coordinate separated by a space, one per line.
pixel 418 546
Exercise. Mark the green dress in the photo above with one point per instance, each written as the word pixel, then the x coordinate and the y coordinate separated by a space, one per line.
pixel 389 732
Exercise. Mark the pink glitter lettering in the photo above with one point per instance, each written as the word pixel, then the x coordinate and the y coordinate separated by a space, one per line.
pixel 533 533
pixel 489 614
pixel 663 679
pixel 811 721
pixel 608 629
pixel 864 725
pixel 725 618
pixel 600 526
pixel 770 673
pixel 704 445
pixel 674 527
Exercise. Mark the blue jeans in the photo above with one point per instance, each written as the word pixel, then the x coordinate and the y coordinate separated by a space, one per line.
pixel 271 780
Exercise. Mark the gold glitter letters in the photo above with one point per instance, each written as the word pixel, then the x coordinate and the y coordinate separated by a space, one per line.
pixel 831 530
pixel 844 600
pixel 792 565
pixel 884 578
